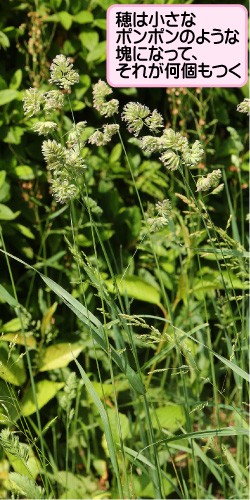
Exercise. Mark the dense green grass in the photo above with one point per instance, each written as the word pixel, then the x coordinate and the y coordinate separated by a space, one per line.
pixel 124 348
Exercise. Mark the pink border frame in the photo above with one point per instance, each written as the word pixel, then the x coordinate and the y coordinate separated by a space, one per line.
pixel 186 7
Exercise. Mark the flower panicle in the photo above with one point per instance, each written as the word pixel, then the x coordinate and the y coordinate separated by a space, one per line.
pixel 211 180
pixel 44 128
pixel 62 72
pixel 102 138
pixel 54 99
pixel 32 101
pixel 106 108
pixel 154 121
pixel 244 106
pixel 74 134
pixel 157 215
pixel 134 115
pixel 193 156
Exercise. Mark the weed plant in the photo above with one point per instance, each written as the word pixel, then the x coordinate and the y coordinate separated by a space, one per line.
pixel 153 403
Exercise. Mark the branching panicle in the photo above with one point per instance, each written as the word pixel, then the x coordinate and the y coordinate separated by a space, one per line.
pixel 32 101
pixel 61 72
pixel 211 180
pixel 100 91
pixel 44 128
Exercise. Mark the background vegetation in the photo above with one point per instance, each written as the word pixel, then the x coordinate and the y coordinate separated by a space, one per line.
pixel 82 434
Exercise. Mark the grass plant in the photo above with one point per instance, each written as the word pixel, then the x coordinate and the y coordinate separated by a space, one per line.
pixel 146 389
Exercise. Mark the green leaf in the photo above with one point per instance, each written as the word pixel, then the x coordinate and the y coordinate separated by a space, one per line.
pixel 124 423
pixel 225 361
pixel 115 153
pixel 12 135
pixel 46 321
pixel 16 79
pixel 4 41
pixel 140 458
pixel 93 325
pixel 144 488
pixel 6 213
pixel 170 417
pixel 7 95
pixel 136 288
pixel 98 53
pixel 25 231
pixel 11 371
pixel 45 391
pixel 2 177
pixel 83 17
pixel 89 39
pixel 13 325
pixel 24 172
pixel 18 336
pixel 7 297
pixel 100 23
pixel 58 355
pixel 65 19
pixel 104 418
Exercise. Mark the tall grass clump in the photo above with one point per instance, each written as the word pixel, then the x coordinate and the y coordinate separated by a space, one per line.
pixel 154 402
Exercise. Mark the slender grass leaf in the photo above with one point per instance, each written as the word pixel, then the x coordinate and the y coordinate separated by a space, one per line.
pixel 141 458
pixel 226 362
pixel 103 415
pixel 93 325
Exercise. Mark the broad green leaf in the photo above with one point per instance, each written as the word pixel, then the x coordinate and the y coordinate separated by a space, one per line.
pixel 7 95
pixel 143 486
pixel 24 172
pixel 83 17
pixel 13 325
pixel 12 134
pixel 115 153
pixel 25 231
pixel 2 177
pixel 136 288
pixel 6 213
pixel 58 355
pixel 5 192
pixel 11 370
pixel 170 417
pixel 89 39
pixel 30 340
pixel 100 23
pixel 104 418
pixel 98 53
pixel 45 391
pixel 16 79
pixel 108 390
pixel 4 41
pixel 65 19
